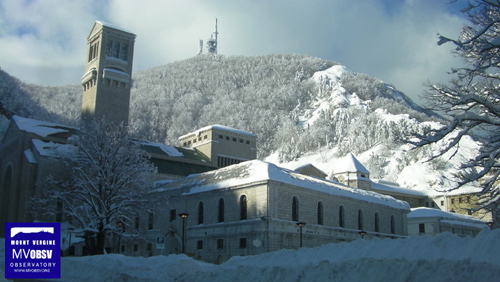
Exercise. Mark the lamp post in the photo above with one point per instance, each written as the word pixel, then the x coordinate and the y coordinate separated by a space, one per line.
pixel 490 224
pixel 362 233
pixel 300 224
pixel 70 231
pixel 120 224
pixel 184 217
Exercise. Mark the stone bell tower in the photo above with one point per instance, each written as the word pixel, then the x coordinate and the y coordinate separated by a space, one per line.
pixel 108 73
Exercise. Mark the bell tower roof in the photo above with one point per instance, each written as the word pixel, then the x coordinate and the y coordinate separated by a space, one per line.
pixel 349 164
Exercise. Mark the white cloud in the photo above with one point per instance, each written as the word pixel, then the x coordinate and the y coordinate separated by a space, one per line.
pixel 44 41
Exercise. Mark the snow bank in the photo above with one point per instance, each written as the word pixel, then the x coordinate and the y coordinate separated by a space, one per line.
pixel 445 257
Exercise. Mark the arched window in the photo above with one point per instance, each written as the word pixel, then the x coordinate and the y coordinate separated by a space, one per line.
pixel 320 213
pixel 200 213
pixel 393 225
pixel 360 219
pixel 243 207
pixel 295 209
pixel 221 210
pixel 377 224
pixel 341 216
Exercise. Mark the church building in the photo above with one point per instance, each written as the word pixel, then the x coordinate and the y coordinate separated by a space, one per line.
pixel 256 207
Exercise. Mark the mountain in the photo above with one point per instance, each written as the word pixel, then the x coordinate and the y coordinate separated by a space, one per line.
pixel 302 108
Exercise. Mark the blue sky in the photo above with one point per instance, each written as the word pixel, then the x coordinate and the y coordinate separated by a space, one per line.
pixel 44 42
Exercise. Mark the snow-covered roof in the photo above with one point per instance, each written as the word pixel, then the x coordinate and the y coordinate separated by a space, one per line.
pixel 113 26
pixel 169 150
pixel 390 187
pixel 349 163
pixel 256 170
pixel 219 127
pixel 449 217
pixel 40 128
pixel 51 149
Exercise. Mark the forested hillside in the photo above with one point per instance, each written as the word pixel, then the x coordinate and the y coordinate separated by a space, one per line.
pixel 295 104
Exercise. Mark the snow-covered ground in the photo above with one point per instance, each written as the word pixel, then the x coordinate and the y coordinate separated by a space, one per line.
pixel 445 257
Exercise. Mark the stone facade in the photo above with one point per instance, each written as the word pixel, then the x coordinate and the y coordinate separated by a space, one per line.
pixel 29 156
pixel 254 207
pixel 222 145
pixel 108 73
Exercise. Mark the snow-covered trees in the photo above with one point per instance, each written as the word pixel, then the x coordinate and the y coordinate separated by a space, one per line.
pixel 471 100
pixel 110 179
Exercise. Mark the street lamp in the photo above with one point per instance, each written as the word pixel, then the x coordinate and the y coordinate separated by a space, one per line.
pixel 362 233
pixel 70 231
pixel 121 226
pixel 301 224
pixel 184 217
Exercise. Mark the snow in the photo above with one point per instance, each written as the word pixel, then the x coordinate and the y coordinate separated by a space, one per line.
pixel 169 150
pixel 51 149
pixel 331 75
pixel 444 257
pixel 349 163
pixel 447 216
pixel 110 25
pixel 256 171
pixel 117 72
pixel 219 127
pixel 381 185
pixel 29 156
pixel 40 128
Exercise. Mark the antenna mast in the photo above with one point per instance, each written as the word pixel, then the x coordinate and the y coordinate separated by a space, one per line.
pixel 212 42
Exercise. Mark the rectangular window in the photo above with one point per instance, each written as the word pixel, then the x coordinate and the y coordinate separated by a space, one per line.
pixel 421 228
pixel 452 201
pixel 173 215
pixel 221 137
pixel 109 48
pixel 136 222
pixel 241 140
pixel 199 244
pixel 243 243
pixel 136 248
pixel 123 51
pixel 460 200
pixel 442 203
pixel 248 142
pixel 220 244
pixel 116 49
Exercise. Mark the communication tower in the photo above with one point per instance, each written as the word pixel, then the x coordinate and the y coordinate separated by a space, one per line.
pixel 212 42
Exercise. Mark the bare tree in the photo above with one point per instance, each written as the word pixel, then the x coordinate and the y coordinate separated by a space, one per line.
pixel 471 100
pixel 110 181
